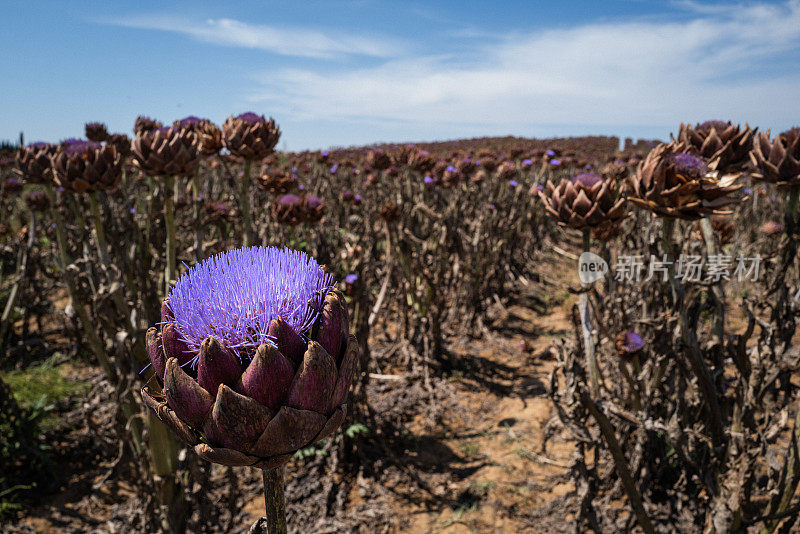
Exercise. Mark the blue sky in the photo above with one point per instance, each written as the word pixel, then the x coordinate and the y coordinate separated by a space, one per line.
pixel 362 71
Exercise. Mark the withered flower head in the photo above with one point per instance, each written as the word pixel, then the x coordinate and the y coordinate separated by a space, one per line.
pixel 96 131
pixel 288 209
pixel 378 159
pixel 166 152
pixel 778 162
pixel 724 145
pixel 34 161
pixel 37 201
pixel 250 136
pixel 506 170
pixel 145 124
pixel 208 135
pixel 85 166
pixel 771 228
pixel 390 212
pixel 277 181
pixel 255 357
pixel 584 202
pixel 314 208
pixel 674 182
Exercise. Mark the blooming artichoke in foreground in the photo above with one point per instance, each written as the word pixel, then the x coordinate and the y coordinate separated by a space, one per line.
pixel 86 166
pixel 674 182
pixel 250 136
pixel 586 201
pixel 724 145
pixel 166 152
pixel 33 162
pixel 255 357
pixel 778 162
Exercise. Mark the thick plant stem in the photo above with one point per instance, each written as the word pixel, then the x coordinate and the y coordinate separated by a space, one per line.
pixel 198 233
pixel 586 329
pixel 99 232
pixel 717 292
pixel 620 463
pixel 691 346
pixel 164 449
pixel 169 221
pixel 274 500
pixel 244 204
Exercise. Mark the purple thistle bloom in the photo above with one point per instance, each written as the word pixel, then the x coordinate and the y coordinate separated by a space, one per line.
pixel 38 144
pixel 540 187
pixel 323 153
pixel 250 118
pixel 12 182
pixel 550 153
pixel 554 162
pixel 633 341
pixel 526 162
pixel 191 120
pixel 294 170
pixel 428 180
pixel 357 198
pixel 313 201
pixel 747 191
pixel 587 179
pixel 513 183
pixel 132 211
pixel 334 168
pixel 73 147
pixel 688 164
pixel 234 296
pixel 351 279
pixel 450 168
pixel 492 207
pixel 301 187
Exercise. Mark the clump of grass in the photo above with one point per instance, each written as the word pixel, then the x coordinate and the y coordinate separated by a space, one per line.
pixel 42 387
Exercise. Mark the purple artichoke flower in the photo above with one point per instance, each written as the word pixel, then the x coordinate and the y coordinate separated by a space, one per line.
pixel 334 168
pixel 255 357
pixel 526 163
pixel 554 162
pixel 629 344
pixel 550 153
pixel 513 183
pixel 351 279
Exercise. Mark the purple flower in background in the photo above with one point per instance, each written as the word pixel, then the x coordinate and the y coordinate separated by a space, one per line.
pixel 301 187
pixel 249 118
pixel 351 279
pixel 73 147
pixel 132 211
pixel 550 153
pixel 747 191
pixel 492 207
pixel 334 168
pixel 324 153
pixel 191 120
pixel 513 183
pixel 294 170
pixel 587 167
pixel 357 198
pixel 526 162
pixel 235 295
pixel 540 187
pixel 450 168
pixel 554 162
pixel 428 180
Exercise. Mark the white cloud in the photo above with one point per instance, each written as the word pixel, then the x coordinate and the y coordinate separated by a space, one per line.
pixel 298 42
pixel 612 74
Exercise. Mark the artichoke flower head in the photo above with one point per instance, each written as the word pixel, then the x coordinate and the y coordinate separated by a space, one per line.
pixel 255 357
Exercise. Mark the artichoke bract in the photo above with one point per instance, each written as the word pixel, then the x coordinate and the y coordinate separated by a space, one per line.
pixel 255 357
pixel 584 202
pixel 675 182
pixel 250 136
pixel 778 161
pixel 726 146
pixel 166 152
pixel 86 166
